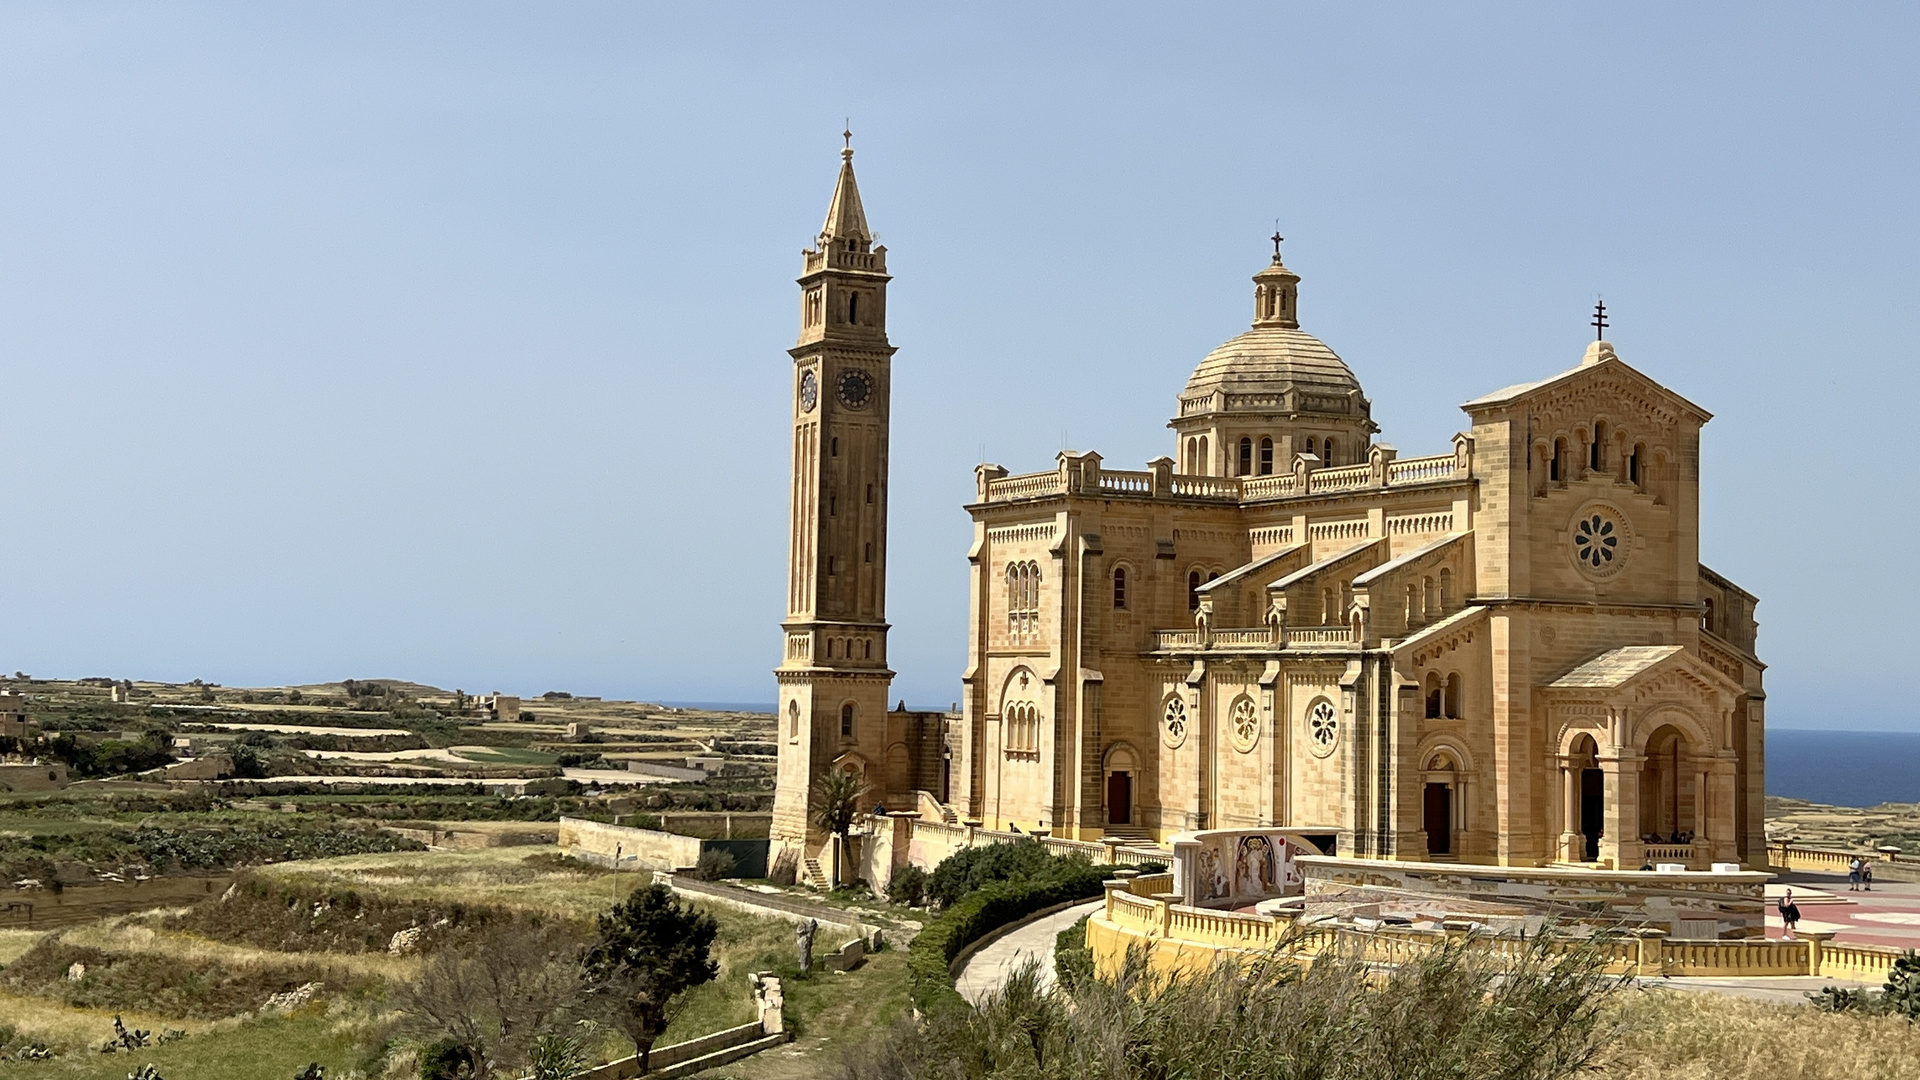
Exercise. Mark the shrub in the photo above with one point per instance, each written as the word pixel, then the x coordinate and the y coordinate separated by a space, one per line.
pixel 445 1060
pixel 965 871
pixel 908 887
pixel 1072 960
pixel 713 865
pixel 1455 1011
pixel 980 912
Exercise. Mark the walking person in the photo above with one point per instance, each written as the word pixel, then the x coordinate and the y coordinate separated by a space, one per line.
pixel 1853 874
pixel 1789 914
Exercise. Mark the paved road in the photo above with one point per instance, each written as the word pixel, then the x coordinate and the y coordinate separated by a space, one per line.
pixel 987 970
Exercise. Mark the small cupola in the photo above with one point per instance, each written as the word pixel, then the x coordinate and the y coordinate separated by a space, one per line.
pixel 1276 293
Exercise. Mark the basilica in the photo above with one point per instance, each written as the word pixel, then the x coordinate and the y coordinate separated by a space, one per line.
pixel 1508 652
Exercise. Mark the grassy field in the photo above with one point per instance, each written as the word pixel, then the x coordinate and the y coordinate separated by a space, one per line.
pixel 346 1029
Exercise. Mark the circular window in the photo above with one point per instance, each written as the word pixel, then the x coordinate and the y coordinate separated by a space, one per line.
pixel 1323 727
pixel 1599 539
pixel 1246 724
pixel 1173 721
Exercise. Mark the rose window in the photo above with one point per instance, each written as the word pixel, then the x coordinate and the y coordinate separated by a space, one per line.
pixel 1596 543
pixel 1175 720
pixel 1323 726
pixel 1246 723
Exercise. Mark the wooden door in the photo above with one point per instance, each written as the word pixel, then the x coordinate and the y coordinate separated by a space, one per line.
pixel 1438 819
pixel 1120 799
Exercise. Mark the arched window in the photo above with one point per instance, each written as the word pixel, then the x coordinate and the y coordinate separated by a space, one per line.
pixel 1447 599
pixel 1453 696
pixel 1266 457
pixel 1429 597
pixel 1596 451
pixel 1119 588
pixel 1205 465
pixel 1309 447
pixel 1193 591
pixel 793 719
pixel 1414 612
pixel 1023 600
pixel 1326 449
pixel 1246 456
pixel 1193 456
pixel 1435 701
pixel 853 308
pixel 846 720
pixel 1557 465
pixel 1634 465
pixel 866 650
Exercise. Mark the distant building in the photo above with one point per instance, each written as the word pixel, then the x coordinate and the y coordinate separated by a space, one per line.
pixel 13 717
pixel 501 706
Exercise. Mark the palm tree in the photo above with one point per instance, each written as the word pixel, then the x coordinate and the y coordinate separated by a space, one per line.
pixel 836 797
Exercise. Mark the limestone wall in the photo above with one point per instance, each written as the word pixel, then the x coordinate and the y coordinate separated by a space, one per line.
pixel 603 844
pixel 1512 899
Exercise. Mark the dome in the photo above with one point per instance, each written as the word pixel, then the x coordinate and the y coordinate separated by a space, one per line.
pixel 1259 370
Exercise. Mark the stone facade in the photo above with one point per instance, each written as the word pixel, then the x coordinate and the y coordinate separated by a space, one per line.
pixel 1508 652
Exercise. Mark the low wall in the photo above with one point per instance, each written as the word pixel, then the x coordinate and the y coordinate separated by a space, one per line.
pixel 1512 899
pixel 1180 939
pixel 624 847
pixel 41 909
pixel 1232 867
pixel 478 839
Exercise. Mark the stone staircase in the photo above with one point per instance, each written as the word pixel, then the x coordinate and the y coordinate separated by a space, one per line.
pixel 1130 833
pixel 816 878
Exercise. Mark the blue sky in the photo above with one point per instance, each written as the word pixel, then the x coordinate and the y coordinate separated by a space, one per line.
pixel 446 342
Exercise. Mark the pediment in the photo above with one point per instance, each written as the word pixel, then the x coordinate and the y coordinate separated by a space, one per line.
pixel 1638 674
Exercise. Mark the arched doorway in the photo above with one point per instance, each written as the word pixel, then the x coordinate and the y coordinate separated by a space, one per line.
pixel 1121 770
pixel 1669 803
pixel 1590 803
pixel 1436 810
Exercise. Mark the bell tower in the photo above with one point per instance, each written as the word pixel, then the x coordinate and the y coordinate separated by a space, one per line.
pixel 833 677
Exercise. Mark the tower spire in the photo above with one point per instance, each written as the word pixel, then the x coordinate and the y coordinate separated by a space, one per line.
pixel 846 218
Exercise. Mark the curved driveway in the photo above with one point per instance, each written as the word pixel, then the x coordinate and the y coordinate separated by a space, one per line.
pixel 987 970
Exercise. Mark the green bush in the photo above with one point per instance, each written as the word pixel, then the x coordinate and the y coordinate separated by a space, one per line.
pixel 973 868
pixel 713 866
pixel 1072 960
pixel 908 887
pixel 979 913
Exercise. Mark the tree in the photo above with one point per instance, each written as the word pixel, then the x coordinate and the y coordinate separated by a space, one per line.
pixel 652 949
pixel 493 994
pixel 837 793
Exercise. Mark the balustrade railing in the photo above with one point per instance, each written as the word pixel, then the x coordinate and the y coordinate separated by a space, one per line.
pixel 1267 487
pixel 1345 478
pixel 1207 487
pixel 1257 635
pixel 1028 486
pixel 1421 469
pixel 1126 483
pixel 1319 635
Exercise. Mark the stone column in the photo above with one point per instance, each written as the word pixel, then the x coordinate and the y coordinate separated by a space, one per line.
pixel 1570 837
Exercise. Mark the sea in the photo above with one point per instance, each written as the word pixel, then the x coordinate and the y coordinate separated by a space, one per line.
pixel 1844 768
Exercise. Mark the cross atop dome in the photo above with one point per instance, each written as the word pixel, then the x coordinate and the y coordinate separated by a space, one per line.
pixel 1275 291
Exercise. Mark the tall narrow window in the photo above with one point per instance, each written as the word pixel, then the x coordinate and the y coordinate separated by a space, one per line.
pixel 1453 696
pixel 1326 450
pixel 833 446
pixel 1120 588
pixel 1706 615
pixel 846 720
pixel 1205 466
pixel 1193 591
pixel 1193 456
pixel 833 565
pixel 1557 465
pixel 833 506
pixel 1246 456
pixel 1595 450
pixel 1266 457
pixel 869 557
pixel 853 308
pixel 1435 697
pixel 1633 463
pixel 1447 599
pixel 869 494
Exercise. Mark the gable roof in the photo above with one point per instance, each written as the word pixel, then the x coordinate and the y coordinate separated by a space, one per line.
pixel 1616 667
pixel 1600 356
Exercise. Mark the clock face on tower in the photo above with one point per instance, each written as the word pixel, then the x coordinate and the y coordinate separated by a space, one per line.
pixel 809 391
pixel 856 389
